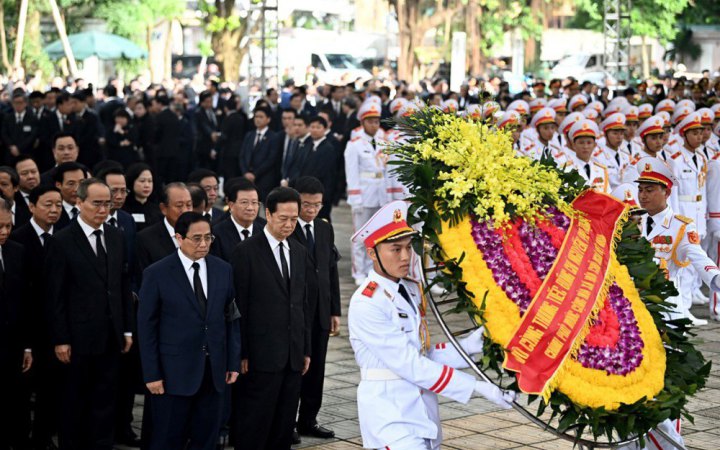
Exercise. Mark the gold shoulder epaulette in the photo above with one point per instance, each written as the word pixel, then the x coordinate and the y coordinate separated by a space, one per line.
pixel 683 219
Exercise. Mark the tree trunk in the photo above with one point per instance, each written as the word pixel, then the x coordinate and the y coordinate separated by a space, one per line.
pixel 532 46
pixel 22 20
pixel 3 40
pixel 167 67
pixel 60 25
pixel 645 58
pixel 228 53
pixel 472 24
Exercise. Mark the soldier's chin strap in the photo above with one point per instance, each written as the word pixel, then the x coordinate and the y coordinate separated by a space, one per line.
pixel 382 268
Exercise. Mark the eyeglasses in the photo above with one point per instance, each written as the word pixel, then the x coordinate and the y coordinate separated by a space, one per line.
pixel 198 239
pixel 246 203
pixel 307 205
pixel 120 191
pixel 97 204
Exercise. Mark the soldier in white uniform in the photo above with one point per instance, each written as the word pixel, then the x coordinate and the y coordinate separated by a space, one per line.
pixel 673 236
pixel 366 172
pixel 609 154
pixel 713 225
pixel 582 141
pixel 401 373
pixel 546 145
pixel 690 168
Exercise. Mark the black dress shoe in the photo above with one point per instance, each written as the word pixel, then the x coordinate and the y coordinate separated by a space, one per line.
pixel 296 438
pixel 317 431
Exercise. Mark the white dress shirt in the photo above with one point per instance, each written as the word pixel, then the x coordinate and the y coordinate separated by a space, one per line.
pixel 275 247
pixel 190 272
pixel 68 209
pixel 240 228
pixel 302 224
pixel 39 230
pixel 171 231
pixel 88 230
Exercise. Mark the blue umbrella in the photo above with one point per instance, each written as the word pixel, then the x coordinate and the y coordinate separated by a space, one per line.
pixel 96 43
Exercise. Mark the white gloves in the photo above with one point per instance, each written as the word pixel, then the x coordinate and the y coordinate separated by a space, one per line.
pixel 473 344
pixel 496 395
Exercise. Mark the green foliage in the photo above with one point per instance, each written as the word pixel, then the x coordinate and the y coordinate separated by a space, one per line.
pixel 500 16
pixel 686 369
pixel 132 18
pixel 701 12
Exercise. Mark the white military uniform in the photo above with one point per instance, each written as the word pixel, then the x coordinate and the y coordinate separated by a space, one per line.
pixel 677 247
pixel 616 163
pixel 397 396
pixel 599 178
pixel 713 225
pixel 365 169
pixel 691 189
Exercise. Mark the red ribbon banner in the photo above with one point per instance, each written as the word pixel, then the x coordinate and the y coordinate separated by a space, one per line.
pixel 568 294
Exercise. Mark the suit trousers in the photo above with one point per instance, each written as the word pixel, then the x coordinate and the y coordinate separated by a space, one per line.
pixel 88 400
pixel 15 427
pixel 177 418
pixel 129 381
pixel 265 408
pixel 311 392
pixel 46 371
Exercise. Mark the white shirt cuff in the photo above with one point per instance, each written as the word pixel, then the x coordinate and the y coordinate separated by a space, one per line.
pixel 28 350
pixel 127 334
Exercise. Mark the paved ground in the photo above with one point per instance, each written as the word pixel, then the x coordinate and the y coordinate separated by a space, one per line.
pixel 478 425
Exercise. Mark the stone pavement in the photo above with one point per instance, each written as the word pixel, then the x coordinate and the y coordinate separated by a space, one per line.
pixel 479 424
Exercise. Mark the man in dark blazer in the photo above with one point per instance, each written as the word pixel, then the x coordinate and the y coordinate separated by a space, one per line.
pixel 64 150
pixel 188 325
pixel 19 131
pixel 243 222
pixel 208 132
pixel 15 339
pixel 261 154
pixel 168 131
pixel 157 241
pixel 210 183
pixel 107 109
pixel 35 236
pixel 321 162
pixel 29 176
pixel 67 178
pixel 232 133
pixel 271 273
pixel 91 317
pixel 87 130
pixel 318 238
pixel 61 121
pixel 130 370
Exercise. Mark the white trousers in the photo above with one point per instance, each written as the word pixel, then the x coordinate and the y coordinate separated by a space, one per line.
pixel 653 440
pixel 361 263
pixel 411 443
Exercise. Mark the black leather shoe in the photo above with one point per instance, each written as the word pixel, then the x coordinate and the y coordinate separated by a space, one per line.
pixel 296 438
pixel 317 431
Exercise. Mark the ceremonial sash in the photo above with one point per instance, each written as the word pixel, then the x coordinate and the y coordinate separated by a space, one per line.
pixel 559 311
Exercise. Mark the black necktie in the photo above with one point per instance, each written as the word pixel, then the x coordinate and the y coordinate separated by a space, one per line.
pixel 113 222
pixel 258 136
pixel 100 249
pixel 74 212
pixel 284 265
pixel 694 159
pixel 374 144
pixel 546 153
pixel 587 170
pixel 2 273
pixel 310 239
pixel 18 119
pixel 245 234
pixel 402 291
pixel 197 286
pixel 46 239
pixel 649 225
pixel 617 158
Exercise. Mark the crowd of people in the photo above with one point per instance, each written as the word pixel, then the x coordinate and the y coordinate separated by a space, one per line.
pixel 166 243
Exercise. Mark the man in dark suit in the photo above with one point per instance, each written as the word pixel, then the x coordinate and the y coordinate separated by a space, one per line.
pixel 19 129
pixel 188 325
pixel 68 177
pixel 64 149
pixel 15 340
pixel 318 238
pixel 321 162
pixel 243 222
pixel 130 362
pixel 271 273
pixel 91 317
pixel 61 121
pixel 261 154
pixel 88 130
pixel 29 176
pixel 208 180
pixel 157 241
pixel 107 110
pixel 286 136
pixel 232 133
pixel 167 143
pixel 337 94
pixel 37 107
pixel 208 132
pixel 45 205
pixel 9 182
